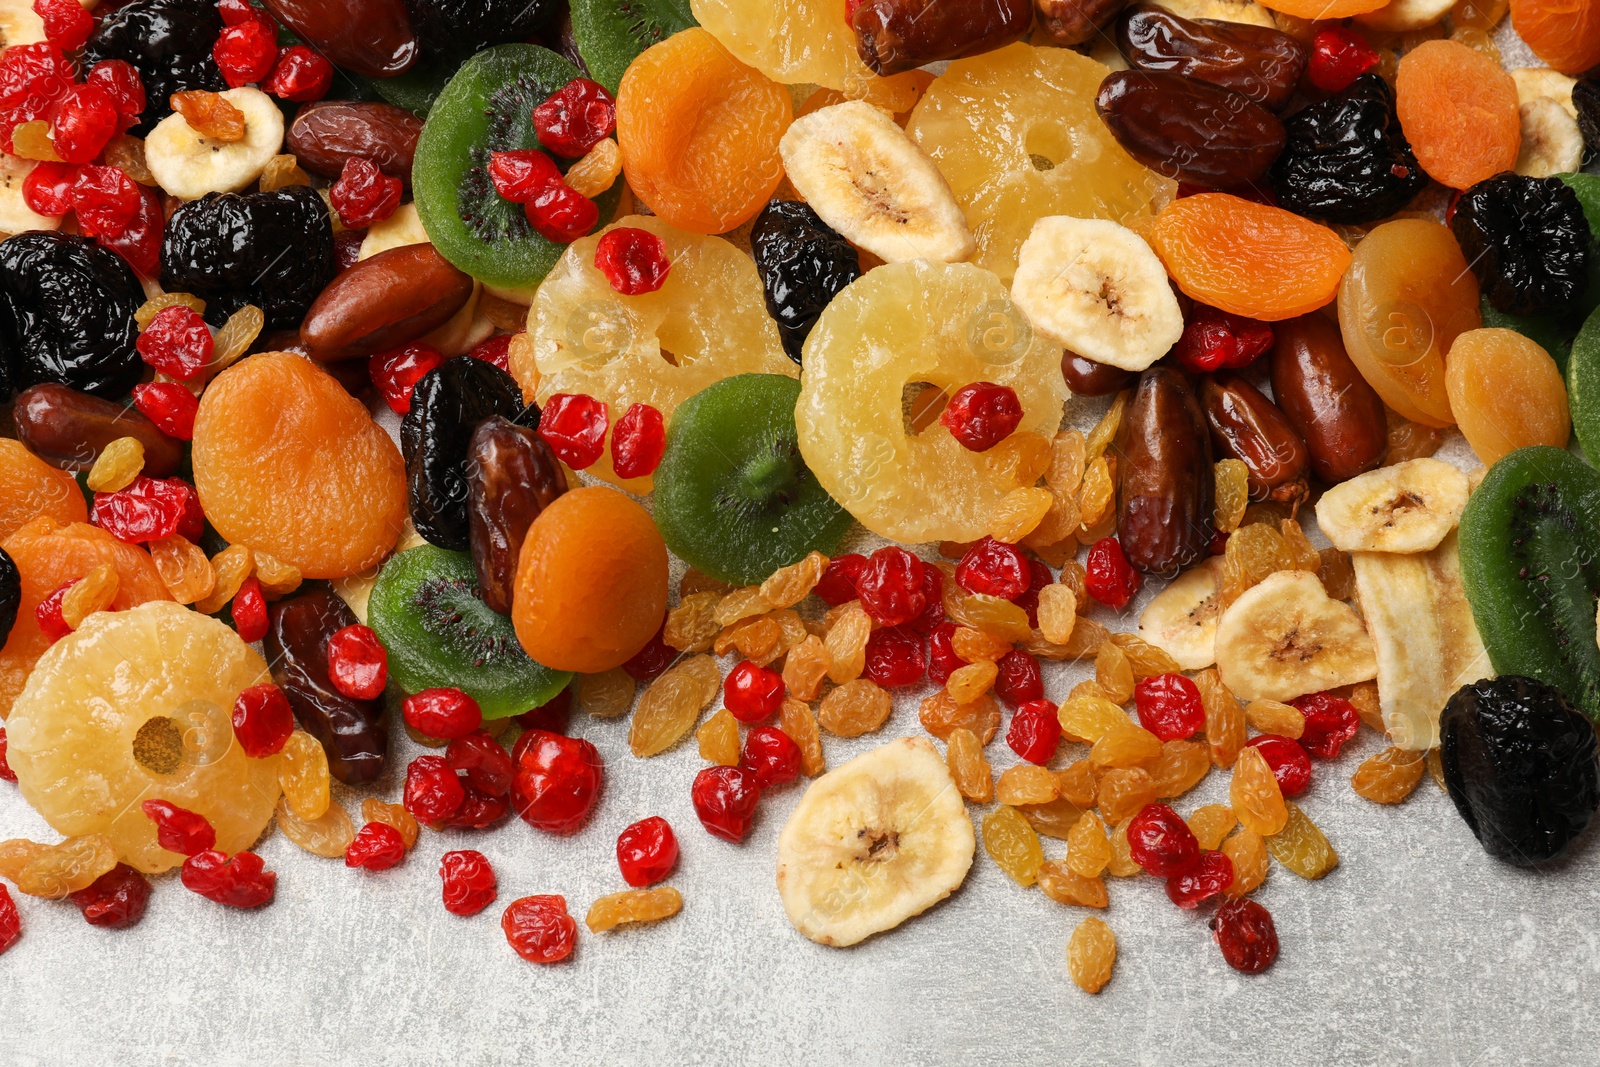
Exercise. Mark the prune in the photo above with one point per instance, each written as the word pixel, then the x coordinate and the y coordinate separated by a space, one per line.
pixel 69 429
pixel 803 265
pixel 511 477
pixel 1586 98
pixel 10 594
pixel 373 38
pixel 1526 241
pixel 1165 499
pixel 352 732
pixel 1189 130
pixel 1254 61
pixel 1085 377
pixel 899 35
pixel 461 27
pixel 1319 390
pixel 169 42
pixel 66 314
pixel 447 405
pixel 273 250
pixel 1248 427
pixel 1519 762
pixel 1346 159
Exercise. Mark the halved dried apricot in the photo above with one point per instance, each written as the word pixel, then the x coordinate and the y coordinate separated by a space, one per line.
pixel 1563 33
pixel 30 487
pixel 1459 111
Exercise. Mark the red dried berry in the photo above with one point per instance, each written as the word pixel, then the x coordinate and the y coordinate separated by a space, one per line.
pixel 48 613
pixel 66 24
pixel 1110 578
pixel 647 851
pixel 1330 722
pixel 634 261
pixel 575 118
pixel 1161 842
pixel 238 881
pixel 994 568
pixel 364 194
pixel 150 509
pixel 170 406
pixel 942 658
pixel 1169 706
pixel 433 793
pixel 469 882
pixel 1039 576
pixel 932 616
pixel 521 175
pixel 478 811
pixel 377 846
pixel 86 118
pixel 1246 935
pixel 300 75
pixel 6 773
pixel 981 415
pixel 179 829
pixel 1210 876
pixel 238 12
pixel 557 782
pixel 396 372
pixel 48 188
pixel 106 201
pixel 114 901
pixel 725 801
pixel 245 52
pixel 574 426
pixel 1019 680
pixel 1218 340
pixel 653 659
pixel 262 720
pixel 891 586
pixel 838 582
pixel 121 79
pixel 442 713
pixel 1035 731
pixel 496 350
pixel 485 762
pixel 895 657
pixel 1338 57
pixel 539 928
pixel 250 610
pixel 772 756
pixel 33 79
pixel 177 342
pixel 562 214
pixel 358 664
pixel 638 442
pixel 752 693
pixel 140 242
pixel 10 920
pixel 554 715
pixel 1288 760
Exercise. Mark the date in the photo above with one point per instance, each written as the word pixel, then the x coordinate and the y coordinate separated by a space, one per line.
pixel 1166 490
pixel 383 302
pixel 1327 401
pixel 893 36
pixel 1085 377
pixel 69 430
pixel 1248 427
pixel 1258 63
pixel 325 135
pixel 512 476
pixel 1188 130
pixel 1071 22
pixel 373 38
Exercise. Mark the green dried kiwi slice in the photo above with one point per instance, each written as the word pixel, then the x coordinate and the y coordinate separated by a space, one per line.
pixel 488 107
pixel 426 610
pixel 1530 564
pixel 1583 386
pixel 611 33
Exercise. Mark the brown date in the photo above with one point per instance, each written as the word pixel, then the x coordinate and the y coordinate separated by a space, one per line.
pixel 512 476
pixel 1260 64
pixel 899 35
pixel 1188 130
pixel 373 38
pixel 1085 377
pixel 326 134
pixel 1070 22
pixel 1248 427
pixel 69 429
pixel 383 302
pixel 1166 483
pixel 1325 398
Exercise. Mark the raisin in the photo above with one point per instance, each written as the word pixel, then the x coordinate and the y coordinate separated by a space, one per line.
pixel 669 707
pixel 1064 886
pixel 1088 847
pixel 1091 952
pixel 803 265
pixel 633 906
pixel 1124 792
pixel 1247 850
pixel 1526 240
pixel 1255 794
pixel 718 737
pixel 1345 159
pixel 968 766
pixel 1301 847
pixel 940 714
pixel 1179 768
pixel 855 708
pixel 1026 784
pixel 1012 843
pixel 1389 776
pixel 796 720
pixel 1211 824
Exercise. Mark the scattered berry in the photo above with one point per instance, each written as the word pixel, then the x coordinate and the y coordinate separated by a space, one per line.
pixel 575 118
pixel 245 52
pixel 539 928
pixel 485 762
pixel 1288 760
pixel 981 415
pixel 634 261
pixel 238 881
pixel 942 658
pixel 1210 876
pixel 358 664
pixel 1019 680
pixel 772 756
pixel 574 426
pixel 364 194
pixel 396 372
pixel 442 713
pixel 557 782
pixel 891 586
pixel 1217 340
pixel 752 693
pixel 1035 731
pixel 177 342
pixel 299 75
pixel 1161 842
pixel 521 175
pixel 1110 578
pixel 1330 722
pixel 250 610
pixel 1169 706
pixel 894 656
pixel 838 582
pixel 469 882
pixel 377 847
pixel 1246 935
pixel 638 442
pixel 994 568
pixel 114 901
pixel 48 613
pixel 262 720
pixel 66 24
pixel 562 214
pixel 1338 57
pixel 647 851
pixel 48 188
pixel 170 406
pixel 725 800
pixel 179 829
pixel 106 201
pixel 433 793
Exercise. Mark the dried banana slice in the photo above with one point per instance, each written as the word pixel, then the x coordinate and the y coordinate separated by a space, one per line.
pixel 1182 619
pixel 1286 637
pixel 1408 507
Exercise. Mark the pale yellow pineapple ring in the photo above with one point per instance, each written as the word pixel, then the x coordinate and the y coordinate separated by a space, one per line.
pixel 74 729
pixel 943 324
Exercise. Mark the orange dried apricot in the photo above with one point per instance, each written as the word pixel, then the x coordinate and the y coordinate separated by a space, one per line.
pixel 30 487
pixel 1506 393
pixel 1458 109
pixel 1563 33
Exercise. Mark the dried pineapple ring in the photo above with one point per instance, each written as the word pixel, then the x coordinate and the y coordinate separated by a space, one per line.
pixel 707 322
pixel 136 705
pixel 943 324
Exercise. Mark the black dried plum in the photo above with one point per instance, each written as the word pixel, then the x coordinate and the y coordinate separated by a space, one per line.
pixel 169 42
pixel 461 27
pixel 1346 159
pixel 1520 764
pixel 1586 98
pixel 447 405
pixel 273 250
pixel 1526 240
pixel 10 594
pixel 66 314
pixel 803 263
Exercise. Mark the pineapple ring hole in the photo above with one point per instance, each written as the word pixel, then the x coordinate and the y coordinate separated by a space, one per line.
pixel 921 404
pixel 1047 145
pixel 158 746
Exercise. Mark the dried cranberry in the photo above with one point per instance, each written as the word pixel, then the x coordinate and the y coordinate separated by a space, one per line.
pixel 895 657
pixel 1338 57
pixel 638 442
pixel 521 175
pixel 377 847
pixel 1330 722
pixel 114 901
pixel 33 79
pixel 262 720
pixel 66 24
pixel 942 658
pixel 433 792
pixel 1210 876
pixel 478 811
pixel 121 79
pixel 469 882
pixel 1161 842
pixel 891 586
pixel 442 713
pixel 554 715
pixel 239 12
pixel 647 851
pixel 86 119
pixel 994 568
pixel 48 613
pixel 725 799
pixel 239 881
pixel 140 241
pixel 170 406
pixel 838 582
pixel 1288 760
pixel 1019 680
pixel 562 214
pixel 10 920
pixel 1246 935
pixel 177 342
pixel 299 75
pixel 634 261
pixel 574 426
pixel 1109 576
pixel 106 201
pixel 752 693
pixel 179 829
pixel 496 350
pixel 364 194
pixel 358 664
pixel 1035 731
pixel 484 761
pixel 981 415
pixel 396 372
pixel 1169 706
pixel 250 610
pixel 6 773
pixel 1216 340
pixel 575 118
pixel 150 509
pixel 245 52
pixel 48 188
pixel 539 928
pixel 772 756
pixel 932 616
pixel 557 783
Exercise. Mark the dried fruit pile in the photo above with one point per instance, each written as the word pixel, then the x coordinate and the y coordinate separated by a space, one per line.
pixel 642 263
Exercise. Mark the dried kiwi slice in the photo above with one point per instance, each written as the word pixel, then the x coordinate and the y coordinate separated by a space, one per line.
pixel 733 496
pixel 611 33
pixel 1530 563
pixel 426 610
pixel 488 107
pixel 1583 386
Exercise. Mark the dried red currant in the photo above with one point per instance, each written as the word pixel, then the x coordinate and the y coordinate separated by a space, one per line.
pixel 1330 722
pixel 1035 731
pixel 179 829
pixel 634 261
pixel 891 586
pixel 245 52
pixel 395 373
pixel 638 442
pixel 1210 876
pixel 48 188
pixel 1246 935
pixel 66 24
pixel 140 242
pixel 1288 760
pixel 358 664
pixel 177 342
pixel 469 882
pixel 1110 578
pixel 1161 842
pixel 364 194
pixel 299 75
pixel 377 846
pixel 114 901
pixel 170 406
pixel 942 658
pixel 121 79
pixel 574 426
pixel 1019 680
pixel 772 756
pixel 250 610
pixel 86 119
pixel 106 201
pixel 433 793
pixel 557 782
pixel 895 657
pixel 6 773
pixel 48 613
pixel 150 509
pixel 932 616
pixel 647 851
pixel 484 761
pixel 1338 57
pixel 262 720
pixel 10 920
pixel 981 415
pixel 520 175
pixel 575 118
pixel 838 582
pixel 1217 340
pixel 725 800
pixel 238 881
pixel 653 659
pixel 442 713
pixel 752 693
pixel 478 810
pixel 539 928
pixel 994 568
pixel 562 214
pixel 1169 706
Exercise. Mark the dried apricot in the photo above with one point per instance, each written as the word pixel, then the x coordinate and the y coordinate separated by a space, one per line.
pixel 1458 109
pixel 30 487
pixel 1505 393
pixel 1563 33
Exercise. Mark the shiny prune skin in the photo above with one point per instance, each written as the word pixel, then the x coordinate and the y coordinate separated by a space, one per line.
pixel 352 733
pixel 273 250
pixel 1520 764
pixel 1258 63
pixel 461 27
pixel 69 430
pixel 66 314
pixel 512 476
pixel 1188 130
pixel 1346 159
pixel 10 594
pixel 803 264
pixel 1246 426
pixel 1527 242
pixel 169 42
pixel 447 405
pixel 1166 484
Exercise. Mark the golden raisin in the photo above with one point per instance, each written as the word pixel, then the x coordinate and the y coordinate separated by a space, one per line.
pixel 1233 494
pixel 1181 767
pixel 1302 557
pixel 633 906
pixel 940 714
pixel 1026 783
pixel 1078 783
pixel 232 566
pixel 1122 863
pixel 1114 673
pixel 1436 770
pixel 1058 613
pixel 1389 776
pixel 1021 459
pixel 394 816
pixel 719 739
pixel 759 640
pixel 692 625
pixel 1105 431
pixel 281 172
pixel 303 775
pixel 739 604
pixel 1012 844
pixel 210 115
pixel 1364 695
pixel 1055 818
pixel 854 708
pixel 846 644
pixel 605 695
pixel 277 579
pixel 972 681
pixel 1088 848
pixel 1146 659
pixel 1337 572
pixel 328 836
pixel 670 705
pixel 74 864
pixel 148 310
pixel 1068 454
pixel 1224 718
pixel 1064 886
pixel 796 720
pixel 15 855
pixel 1248 852
pixel 1301 847
pixel 1256 797
pixel 1091 952
pixel 1097 495
pixel 694 581
pixel 968 766
pixel 1019 513
pixel 804 669
pixel 974 646
pixel 1088 718
pixel 1275 717
pixel 990 614
pixel 1210 824
pixel 118 464
pixel 1124 791
pixel 93 592
pixel 790 585
pixel 597 171
pixel 1126 745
